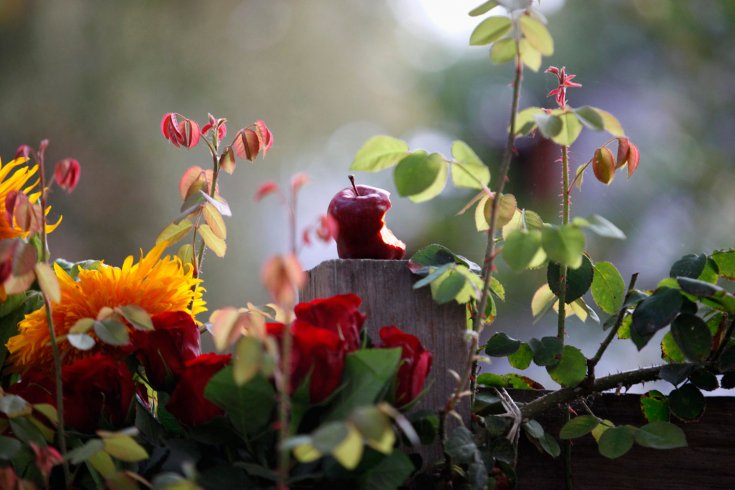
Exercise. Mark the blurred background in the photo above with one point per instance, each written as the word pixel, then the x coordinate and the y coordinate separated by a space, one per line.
pixel 96 77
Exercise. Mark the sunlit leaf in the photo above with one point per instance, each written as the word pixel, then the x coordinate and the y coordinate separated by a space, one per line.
pixel 571 368
pixel 563 244
pixel 569 131
pixel 215 221
pixel 48 282
pixel 468 171
pixel 174 232
pixel 421 176
pixel 531 56
pixel 542 300
pixel 655 406
pixel 537 35
pixel 248 359
pixel 526 120
pixel 137 316
pixel 608 287
pixel 503 51
pixel 215 243
pixel 378 153
pixel 610 123
pixel 550 125
pixel 483 8
pixel 349 452
pixel 590 117
pixel 490 30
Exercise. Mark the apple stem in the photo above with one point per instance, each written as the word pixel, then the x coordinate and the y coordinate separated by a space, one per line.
pixel 352 181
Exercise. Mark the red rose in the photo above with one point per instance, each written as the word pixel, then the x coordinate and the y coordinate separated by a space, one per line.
pixel 96 387
pixel 316 351
pixel 163 351
pixel 187 401
pixel 338 314
pixel 415 363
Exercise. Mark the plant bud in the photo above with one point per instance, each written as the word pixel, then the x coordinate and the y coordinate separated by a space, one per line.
pixel 603 164
pixel 66 174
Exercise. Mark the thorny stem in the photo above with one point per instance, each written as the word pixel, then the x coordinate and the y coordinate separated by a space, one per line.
pixel 591 363
pixel 469 374
pixel 52 333
pixel 284 410
pixel 561 319
pixel 565 395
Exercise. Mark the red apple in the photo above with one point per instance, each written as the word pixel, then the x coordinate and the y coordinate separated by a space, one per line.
pixel 360 214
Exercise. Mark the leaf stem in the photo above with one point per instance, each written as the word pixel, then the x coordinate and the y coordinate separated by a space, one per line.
pixel 214 150
pixel 561 318
pixel 61 434
pixel 284 410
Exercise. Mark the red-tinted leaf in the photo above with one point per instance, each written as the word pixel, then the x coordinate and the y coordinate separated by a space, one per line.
pixel 266 188
pixel 623 150
pixel 247 144
pixel 603 165
pixel 23 151
pixel 306 237
pixel 328 228
pixel 264 135
pixel 633 159
pixel 195 174
pixel 283 277
pixel 298 181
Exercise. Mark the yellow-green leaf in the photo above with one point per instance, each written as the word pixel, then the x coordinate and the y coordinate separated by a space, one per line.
pixel 490 30
pixel 349 452
pixel 137 316
pixel 215 221
pixel 483 8
pixel 570 129
pixel 102 462
pixel 507 206
pixel 83 325
pixel 379 152
pixel 503 51
pixel 526 120
pixel 611 124
pixel 186 253
pixel 248 358
pixel 124 448
pixel 468 170
pixel 215 243
pixel 537 35
pixel 541 301
pixel 421 176
pixel 531 56
pixel 306 453
pixel 174 232
pixel 48 282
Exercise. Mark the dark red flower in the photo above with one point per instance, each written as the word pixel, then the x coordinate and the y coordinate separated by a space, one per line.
pixel 185 133
pixel 316 352
pixel 163 351
pixel 415 363
pixel 66 174
pixel 187 401
pixel 338 314
pixel 97 387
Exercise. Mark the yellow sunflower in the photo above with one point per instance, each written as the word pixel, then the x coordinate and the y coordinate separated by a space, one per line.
pixel 155 284
pixel 18 181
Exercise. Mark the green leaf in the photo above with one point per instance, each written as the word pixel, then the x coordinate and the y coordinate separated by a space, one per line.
pixel 578 280
pixel 725 260
pixel 608 288
pixel 507 206
pixel 501 345
pixel 14 406
pixel 660 435
pixel 675 373
pixel 578 427
pixel 610 123
pixel 549 444
pixel 687 402
pixel 520 248
pixel 590 117
pixel 655 406
pixel 511 380
pixel 692 336
pixel 483 8
pixel 690 265
pixel 570 129
pixel 550 125
pixel 563 244
pixel 460 446
pixel 437 255
pixel 503 51
pixel 704 379
pixel 213 242
pixel 698 288
pixel 370 372
pixel 670 351
pixel 547 351
pixel 111 332
pixel 432 276
pixel 653 314
pixel 600 226
pixel 86 451
pixel 9 447
pixel 421 176
pixel 537 35
pixel 533 429
pixel 390 472
pixel 378 153
pixel 490 30
pixel 249 407
pixel 726 362
pixel 526 120
pixel 174 232
pixel 468 170
pixel 521 358
pixel 137 316
pixel 571 369
pixel 448 286
pixel 615 442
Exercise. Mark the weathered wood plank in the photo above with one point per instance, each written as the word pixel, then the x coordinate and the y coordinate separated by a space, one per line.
pixel 388 298
pixel 707 463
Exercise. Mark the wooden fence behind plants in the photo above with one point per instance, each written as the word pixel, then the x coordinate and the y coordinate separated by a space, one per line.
pixel 385 287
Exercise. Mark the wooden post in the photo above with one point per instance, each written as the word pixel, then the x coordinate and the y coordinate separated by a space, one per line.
pixel 388 298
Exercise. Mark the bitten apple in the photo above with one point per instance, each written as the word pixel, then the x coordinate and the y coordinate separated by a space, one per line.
pixel 360 214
